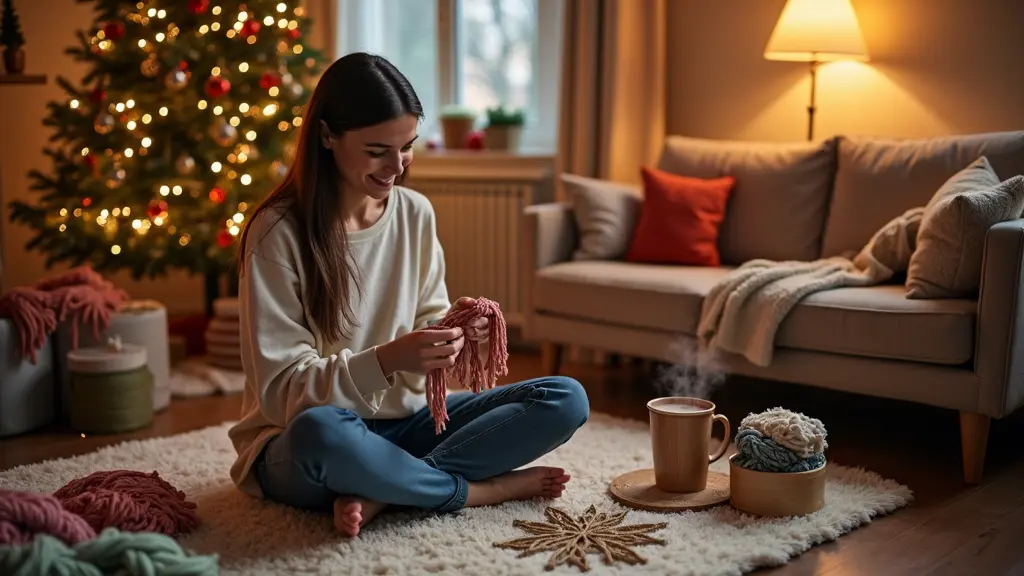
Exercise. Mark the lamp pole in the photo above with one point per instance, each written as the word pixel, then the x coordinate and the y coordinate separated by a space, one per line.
pixel 811 107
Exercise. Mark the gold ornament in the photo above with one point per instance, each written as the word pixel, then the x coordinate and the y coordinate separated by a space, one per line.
pixel 150 66
pixel 104 123
pixel 572 538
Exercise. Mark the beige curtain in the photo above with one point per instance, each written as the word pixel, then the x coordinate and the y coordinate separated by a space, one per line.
pixel 612 95
pixel 613 87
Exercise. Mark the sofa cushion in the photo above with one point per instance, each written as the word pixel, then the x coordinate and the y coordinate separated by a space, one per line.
pixel 606 215
pixel 647 296
pixel 679 219
pixel 777 209
pixel 880 321
pixel 877 179
pixel 874 321
pixel 951 242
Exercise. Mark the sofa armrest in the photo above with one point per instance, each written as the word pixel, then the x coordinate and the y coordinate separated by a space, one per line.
pixel 999 349
pixel 549 236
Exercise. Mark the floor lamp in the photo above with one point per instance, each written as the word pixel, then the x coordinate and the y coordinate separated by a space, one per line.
pixel 816 31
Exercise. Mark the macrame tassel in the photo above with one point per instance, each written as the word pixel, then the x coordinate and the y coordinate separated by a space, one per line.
pixel 468 368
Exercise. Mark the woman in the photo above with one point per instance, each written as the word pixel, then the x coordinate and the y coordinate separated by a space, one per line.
pixel 340 271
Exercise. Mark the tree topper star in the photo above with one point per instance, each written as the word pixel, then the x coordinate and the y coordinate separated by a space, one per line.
pixel 572 538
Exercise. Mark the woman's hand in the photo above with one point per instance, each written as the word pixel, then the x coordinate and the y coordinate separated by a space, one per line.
pixel 421 351
pixel 477 330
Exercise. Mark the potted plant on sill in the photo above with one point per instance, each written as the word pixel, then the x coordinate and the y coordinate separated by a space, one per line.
pixel 457 124
pixel 12 40
pixel 504 128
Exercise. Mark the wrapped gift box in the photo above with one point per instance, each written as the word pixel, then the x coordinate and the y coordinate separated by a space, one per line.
pixel 26 389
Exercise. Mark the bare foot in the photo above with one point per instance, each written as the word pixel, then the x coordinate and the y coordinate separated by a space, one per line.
pixel 518 485
pixel 351 514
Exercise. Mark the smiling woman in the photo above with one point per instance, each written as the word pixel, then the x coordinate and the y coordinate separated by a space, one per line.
pixel 341 277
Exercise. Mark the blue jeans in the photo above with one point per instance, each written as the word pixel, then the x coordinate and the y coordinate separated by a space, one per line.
pixel 327 452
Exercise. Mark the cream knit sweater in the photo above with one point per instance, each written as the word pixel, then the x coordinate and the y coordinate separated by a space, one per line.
pixel 289 364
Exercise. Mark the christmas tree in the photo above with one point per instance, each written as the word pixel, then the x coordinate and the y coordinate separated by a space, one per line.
pixel 186 119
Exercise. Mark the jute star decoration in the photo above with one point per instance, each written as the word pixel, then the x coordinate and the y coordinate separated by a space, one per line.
pixel 572 538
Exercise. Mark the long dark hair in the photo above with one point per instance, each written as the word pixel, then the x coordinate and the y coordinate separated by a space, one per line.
pixel 356 91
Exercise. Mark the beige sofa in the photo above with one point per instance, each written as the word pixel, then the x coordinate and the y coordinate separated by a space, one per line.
pixel 803 201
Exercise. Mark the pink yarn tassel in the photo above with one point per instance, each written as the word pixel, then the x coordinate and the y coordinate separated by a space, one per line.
pixel 25 514
pixel 80 295
pixel 468 368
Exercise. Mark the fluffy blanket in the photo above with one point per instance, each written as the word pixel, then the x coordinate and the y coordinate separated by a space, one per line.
pixel 743 311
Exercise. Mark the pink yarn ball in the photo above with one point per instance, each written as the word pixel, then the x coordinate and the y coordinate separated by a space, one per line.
pixel 25 514
pixel 129 501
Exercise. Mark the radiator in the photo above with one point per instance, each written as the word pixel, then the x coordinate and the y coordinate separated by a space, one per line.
pixel 478 224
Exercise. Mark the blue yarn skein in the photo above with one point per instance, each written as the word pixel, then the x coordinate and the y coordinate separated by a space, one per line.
pixel 762 454
pixel 112 551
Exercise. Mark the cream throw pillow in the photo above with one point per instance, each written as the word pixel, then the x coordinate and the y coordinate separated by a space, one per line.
pixel 951 240
pixel 606 215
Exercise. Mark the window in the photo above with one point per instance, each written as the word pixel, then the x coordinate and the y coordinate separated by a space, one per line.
pixel 478 53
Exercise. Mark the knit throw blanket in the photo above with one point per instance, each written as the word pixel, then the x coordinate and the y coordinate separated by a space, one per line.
pixel 743 311
pixel 472 371
pixel 79 295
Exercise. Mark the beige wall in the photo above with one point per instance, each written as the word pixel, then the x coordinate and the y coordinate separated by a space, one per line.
pixel 49 26
pixel 937 67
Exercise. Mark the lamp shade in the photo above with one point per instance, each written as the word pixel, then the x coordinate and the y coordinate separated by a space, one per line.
pixel 816 31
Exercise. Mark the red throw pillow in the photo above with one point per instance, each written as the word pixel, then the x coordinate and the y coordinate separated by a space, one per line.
pixel 679 219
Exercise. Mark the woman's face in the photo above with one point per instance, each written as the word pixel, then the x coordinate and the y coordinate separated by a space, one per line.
pixel 371 159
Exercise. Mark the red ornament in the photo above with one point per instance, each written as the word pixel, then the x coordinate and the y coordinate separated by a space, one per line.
pixel 156 208
pixel 183 65
pixel 90 161
pixel 224 238
pixel 294 33
pixel 98 94
pixel 86 202
pixel 217 86
pixel 218 195
pixel 268 80
pixel 476 140
pixel 249 27
pixel 198 6
pixel 114 31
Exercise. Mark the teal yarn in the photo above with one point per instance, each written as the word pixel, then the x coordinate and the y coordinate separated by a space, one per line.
pixel 111 552
pixel 762 454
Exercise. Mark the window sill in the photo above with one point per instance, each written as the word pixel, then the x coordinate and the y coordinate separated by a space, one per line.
pixel 524 164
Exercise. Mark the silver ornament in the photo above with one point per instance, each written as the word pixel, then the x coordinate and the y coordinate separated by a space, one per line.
pixel 278 170
pixel 224 134
pixel 185 164
pixel 115 177
pixel 176 79
pixel 104 123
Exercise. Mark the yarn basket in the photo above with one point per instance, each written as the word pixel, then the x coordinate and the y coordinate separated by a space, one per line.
pixel 779 440
pixel 779 468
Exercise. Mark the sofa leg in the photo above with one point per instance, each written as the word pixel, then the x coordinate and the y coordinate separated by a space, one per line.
pixel 974 443
pixel 551 358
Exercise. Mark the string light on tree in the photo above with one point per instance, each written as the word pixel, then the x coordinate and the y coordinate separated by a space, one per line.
pixel 186 117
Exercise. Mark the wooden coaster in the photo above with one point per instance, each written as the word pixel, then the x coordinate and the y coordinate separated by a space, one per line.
pixel 637 489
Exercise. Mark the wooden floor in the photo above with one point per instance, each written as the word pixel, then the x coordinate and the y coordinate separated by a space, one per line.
pixel 950 529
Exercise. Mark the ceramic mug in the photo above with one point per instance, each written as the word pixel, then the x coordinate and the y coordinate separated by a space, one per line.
pixel 681 440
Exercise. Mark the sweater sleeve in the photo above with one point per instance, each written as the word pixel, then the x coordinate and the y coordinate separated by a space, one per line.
pixel 279 352
pixel 434 301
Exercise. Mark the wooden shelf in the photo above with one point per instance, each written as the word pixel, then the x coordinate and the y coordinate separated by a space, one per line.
pixel 22 78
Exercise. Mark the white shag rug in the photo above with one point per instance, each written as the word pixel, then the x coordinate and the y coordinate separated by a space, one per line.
pixel 253 537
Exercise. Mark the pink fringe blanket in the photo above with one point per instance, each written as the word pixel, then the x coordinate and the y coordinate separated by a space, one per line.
pixel 469 369
pixel 79 295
